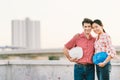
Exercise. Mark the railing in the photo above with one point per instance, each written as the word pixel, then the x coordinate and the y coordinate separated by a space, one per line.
pixel 27 54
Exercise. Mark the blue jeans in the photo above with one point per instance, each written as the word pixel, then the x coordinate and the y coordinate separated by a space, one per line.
pixel 103 73
pixel 84 72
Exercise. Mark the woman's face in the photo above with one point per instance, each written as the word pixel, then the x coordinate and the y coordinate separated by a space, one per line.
pixel 97 28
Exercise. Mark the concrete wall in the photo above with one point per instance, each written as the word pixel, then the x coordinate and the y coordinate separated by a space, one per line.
pixel 43 70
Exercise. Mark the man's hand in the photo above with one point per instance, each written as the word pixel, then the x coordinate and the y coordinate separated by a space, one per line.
pixel 73 59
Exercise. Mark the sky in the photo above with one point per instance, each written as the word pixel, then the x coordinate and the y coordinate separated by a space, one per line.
pixel 59 20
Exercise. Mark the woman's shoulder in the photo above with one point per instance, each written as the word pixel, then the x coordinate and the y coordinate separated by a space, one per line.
pixel 106 34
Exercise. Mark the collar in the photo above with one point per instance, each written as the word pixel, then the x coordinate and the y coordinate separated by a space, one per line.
pixel 83 35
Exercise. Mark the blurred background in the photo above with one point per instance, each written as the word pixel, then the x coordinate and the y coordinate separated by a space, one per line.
pixel 33 34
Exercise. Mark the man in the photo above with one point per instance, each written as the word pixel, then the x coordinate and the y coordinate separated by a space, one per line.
pixel 84 67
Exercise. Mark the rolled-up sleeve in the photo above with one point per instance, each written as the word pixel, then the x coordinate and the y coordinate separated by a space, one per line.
pixel 72 43
pixel 110 48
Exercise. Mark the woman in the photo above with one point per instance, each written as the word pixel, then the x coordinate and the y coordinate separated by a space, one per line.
pixel 103 44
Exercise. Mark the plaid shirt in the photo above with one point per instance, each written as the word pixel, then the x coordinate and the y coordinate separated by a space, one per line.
pixel 86 44
pixel 104 44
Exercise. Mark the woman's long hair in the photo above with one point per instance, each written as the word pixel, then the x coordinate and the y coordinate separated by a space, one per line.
pixel 99 22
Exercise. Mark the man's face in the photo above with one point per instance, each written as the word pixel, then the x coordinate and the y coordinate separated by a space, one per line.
pixel 87 28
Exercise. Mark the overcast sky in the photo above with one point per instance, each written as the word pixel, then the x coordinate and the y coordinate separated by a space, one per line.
pixel 59 19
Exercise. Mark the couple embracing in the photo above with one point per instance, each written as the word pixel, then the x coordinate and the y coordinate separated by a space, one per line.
pixel 84 69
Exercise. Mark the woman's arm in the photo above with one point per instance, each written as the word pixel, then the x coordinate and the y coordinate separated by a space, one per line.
pixel 109 49
pixel 105 62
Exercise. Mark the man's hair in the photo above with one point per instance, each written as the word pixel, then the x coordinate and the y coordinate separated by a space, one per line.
pixel 87 20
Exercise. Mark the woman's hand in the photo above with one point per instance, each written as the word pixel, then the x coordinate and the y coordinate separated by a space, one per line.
pixel 102 64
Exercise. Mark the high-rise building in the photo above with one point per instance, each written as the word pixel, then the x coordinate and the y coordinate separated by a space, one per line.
pixel 26 33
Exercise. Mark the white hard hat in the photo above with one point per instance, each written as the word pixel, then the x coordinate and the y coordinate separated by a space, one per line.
pixel 76 52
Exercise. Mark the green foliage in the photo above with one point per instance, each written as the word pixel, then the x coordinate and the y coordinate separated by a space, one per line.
pixel 53 58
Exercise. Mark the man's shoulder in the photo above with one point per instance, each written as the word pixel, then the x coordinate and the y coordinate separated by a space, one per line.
pixel 93 37
pixel 77 35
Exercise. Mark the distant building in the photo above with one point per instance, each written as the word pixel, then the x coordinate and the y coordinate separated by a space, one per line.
pixel 26 33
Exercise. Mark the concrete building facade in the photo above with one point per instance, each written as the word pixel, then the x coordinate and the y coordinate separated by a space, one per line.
pixel 26 33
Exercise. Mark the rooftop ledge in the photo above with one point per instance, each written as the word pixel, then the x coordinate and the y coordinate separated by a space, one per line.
pixel 30 51
pixel 38 51
pixel 42 62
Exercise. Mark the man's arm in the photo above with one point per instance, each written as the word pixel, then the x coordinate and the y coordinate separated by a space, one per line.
pixel 66 53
